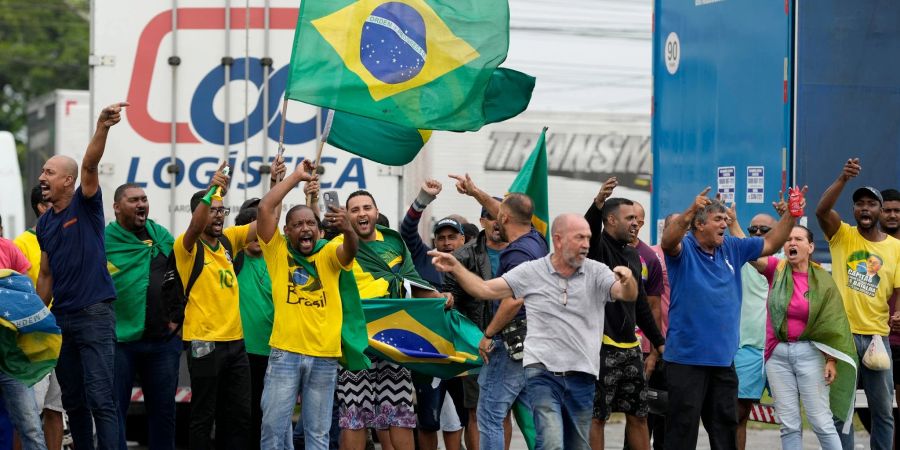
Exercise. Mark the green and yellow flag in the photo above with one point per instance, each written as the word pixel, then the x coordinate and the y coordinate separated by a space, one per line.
pixel 424 64
pixel 419 334
pixel 29 338
pixel 397 145
pixel 128 260
pixel 532 181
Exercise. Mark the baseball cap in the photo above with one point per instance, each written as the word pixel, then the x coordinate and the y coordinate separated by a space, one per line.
pixel 250 203
pixel 448 222
pixel 484 211
pixel 867 191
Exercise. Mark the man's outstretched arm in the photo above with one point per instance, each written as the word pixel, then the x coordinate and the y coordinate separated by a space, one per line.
pixel 90 179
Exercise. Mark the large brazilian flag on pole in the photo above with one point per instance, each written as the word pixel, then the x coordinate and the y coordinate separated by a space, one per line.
pixel 424 64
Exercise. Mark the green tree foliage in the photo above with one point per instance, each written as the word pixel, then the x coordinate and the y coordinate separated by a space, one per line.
pixel 44 45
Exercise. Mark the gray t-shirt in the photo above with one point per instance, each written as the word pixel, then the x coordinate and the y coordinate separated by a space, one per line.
pixel 563 337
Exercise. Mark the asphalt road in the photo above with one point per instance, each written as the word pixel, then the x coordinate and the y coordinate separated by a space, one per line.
pixel 756 438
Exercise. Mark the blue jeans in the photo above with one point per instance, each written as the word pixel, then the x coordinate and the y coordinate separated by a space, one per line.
pixel 23 412
pixel 6 427
pixel 334 434
pixel 85 367
pixel 155 362
pixel 287 375
pixel 795 374
pixel 502 380
pixel 879 388
pixel 563 405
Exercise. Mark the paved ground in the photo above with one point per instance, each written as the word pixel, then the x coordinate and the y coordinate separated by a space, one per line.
pixel 756 439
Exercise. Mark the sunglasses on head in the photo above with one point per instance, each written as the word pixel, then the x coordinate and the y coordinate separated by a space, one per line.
pixel 762 229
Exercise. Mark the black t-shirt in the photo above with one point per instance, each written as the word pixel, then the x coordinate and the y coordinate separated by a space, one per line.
pixel 156 326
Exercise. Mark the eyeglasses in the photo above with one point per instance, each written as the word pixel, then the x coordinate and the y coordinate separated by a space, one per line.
pixel 762 229
pixel 564 285
pixel 222 211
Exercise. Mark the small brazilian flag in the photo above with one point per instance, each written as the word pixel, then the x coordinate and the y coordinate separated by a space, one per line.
pixel 423 64
pixel 532 181
pixel 419 334
pixel 29 338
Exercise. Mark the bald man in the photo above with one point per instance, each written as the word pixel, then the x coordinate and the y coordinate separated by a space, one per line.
pixel 74 273
pixel 565 294
pixel 748 362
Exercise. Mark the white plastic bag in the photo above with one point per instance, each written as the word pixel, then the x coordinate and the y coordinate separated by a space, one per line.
pixel 876 357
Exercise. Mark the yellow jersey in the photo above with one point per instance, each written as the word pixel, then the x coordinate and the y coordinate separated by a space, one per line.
pixel 308 310
pixel 369 287
pixel 212 312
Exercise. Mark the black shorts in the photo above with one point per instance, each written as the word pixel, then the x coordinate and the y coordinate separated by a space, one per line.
pixel 621 387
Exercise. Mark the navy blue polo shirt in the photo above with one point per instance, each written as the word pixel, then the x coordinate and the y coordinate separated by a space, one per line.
pixel 528 247
pixel 74 242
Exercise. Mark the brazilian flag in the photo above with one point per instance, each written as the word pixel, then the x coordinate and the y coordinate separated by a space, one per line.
pixel 29 338
pixel 423 64
pixel 397 145
pixel 532 181
pixel 419 334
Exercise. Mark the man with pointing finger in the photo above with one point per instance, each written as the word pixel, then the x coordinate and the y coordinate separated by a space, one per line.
pixel 74 274
pixel 704 269
pixel 565 294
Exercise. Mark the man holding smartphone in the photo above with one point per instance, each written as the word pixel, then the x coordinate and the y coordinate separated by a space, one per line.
pixel 307 293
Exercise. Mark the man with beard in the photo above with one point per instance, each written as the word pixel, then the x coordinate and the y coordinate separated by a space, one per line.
pixel 74 275
pixel 380 397
pixel 620 386
pixel 565 295
pixel 865 298
pixel 481 256
pixel 307 292
pixel 137 250
pixel 448 236
pixel 502 379
pixel 218 364
pixel 704 319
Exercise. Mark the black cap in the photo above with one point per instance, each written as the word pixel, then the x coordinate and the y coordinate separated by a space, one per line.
pixel 867 191
pixel 484 211
pixel 250 203
pixel 448 222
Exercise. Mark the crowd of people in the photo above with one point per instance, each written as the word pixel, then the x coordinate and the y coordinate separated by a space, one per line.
pixel 572 332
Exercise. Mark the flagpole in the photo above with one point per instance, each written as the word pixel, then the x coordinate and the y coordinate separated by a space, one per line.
pixel 281 132
pixel 321 146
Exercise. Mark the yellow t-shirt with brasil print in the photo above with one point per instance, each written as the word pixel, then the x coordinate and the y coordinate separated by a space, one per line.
pixel 866 274
pixel 308 311
pixel 212 312
pixel 369 287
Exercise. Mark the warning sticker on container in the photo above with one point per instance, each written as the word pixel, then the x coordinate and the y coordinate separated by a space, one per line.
pixel 726 184
pixel 756 181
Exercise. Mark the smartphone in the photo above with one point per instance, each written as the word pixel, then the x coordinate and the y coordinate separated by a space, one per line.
pixel 331 199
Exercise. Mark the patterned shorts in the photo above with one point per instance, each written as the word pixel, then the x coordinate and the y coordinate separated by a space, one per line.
pixel 621 387
pixel 380 397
